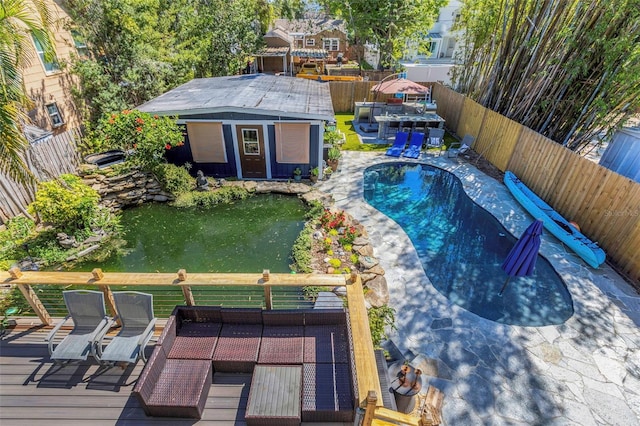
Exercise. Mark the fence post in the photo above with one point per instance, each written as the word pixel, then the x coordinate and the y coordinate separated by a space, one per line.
pixel 267 289
pixel 108 294
pixel 186 289
pixel 370 410
pixel 31 297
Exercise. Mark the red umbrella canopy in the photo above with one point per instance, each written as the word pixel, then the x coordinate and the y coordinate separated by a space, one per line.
pixel 400 85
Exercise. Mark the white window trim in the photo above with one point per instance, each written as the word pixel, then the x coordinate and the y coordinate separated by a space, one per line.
pixel 54 114
pixel 257 141
pixel 40 51
pixel 311 42
pixel 331 42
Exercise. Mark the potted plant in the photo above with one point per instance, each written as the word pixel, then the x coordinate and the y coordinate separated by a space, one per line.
pixel 327 172
pixel 333 155
pixel 313 174
pixel 297 174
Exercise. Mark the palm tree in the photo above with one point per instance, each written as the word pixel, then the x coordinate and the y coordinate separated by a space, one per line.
pixel 20 20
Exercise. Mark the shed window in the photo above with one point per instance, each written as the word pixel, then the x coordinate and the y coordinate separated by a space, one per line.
pixel 311 42
pixel 292 143
pixel 207 142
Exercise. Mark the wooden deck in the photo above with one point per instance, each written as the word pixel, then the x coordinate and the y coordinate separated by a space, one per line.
pixel 33 391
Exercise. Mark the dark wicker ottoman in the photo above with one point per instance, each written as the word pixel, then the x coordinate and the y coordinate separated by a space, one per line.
pixel 274 396
pixel 327 393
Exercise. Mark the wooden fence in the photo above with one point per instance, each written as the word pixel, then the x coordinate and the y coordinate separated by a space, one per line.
pixel 47 160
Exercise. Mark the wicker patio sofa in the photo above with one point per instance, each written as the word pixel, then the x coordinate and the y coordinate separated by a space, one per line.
pixel 308 351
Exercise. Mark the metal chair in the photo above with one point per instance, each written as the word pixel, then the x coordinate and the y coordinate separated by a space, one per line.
pixel 135 311
pixel 90 321
pixel 460 147
pixel 435 139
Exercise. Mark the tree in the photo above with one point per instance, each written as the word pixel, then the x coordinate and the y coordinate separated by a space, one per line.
pixel 142 48
pixel 567 69
pixel 20 20
pixel 388 24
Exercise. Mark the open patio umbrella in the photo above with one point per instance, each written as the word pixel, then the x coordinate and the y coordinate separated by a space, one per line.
pixel 400 85
pixel 521 260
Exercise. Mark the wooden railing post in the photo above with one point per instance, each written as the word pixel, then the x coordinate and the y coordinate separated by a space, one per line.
pixel 370 410
pixel 31 297
pixel 267 289
pixel 186 289
pixel 108 294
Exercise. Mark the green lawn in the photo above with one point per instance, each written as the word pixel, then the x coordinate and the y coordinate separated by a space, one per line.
pixel 343 122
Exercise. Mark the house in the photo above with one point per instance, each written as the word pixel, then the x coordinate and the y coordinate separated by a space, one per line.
pixel 317 33
pixel 48 84
pixel 252 126
pixel 434 62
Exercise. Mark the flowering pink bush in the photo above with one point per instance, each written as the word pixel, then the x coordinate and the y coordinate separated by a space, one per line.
pixel 146 136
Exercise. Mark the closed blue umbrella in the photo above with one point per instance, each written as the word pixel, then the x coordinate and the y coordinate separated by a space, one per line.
pixel 522 258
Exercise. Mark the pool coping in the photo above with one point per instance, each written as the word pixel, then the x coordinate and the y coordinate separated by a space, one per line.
pixel 585 371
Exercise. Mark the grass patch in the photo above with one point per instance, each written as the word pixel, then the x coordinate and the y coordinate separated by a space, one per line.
pixel 344 124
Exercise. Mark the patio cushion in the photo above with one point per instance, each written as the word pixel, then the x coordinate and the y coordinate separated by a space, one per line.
pixel 326 344
pixel 195 341
pixel 237 348
pixel 327 394
pixel 281 345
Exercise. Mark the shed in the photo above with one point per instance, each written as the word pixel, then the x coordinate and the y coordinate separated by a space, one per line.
pixel 253 126
pixel 623 153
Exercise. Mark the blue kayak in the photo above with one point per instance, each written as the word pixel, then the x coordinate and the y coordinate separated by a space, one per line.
pixel 589 251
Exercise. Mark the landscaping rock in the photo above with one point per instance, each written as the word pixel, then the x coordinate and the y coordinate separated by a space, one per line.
pixel 365 278
pixel 367 262
pixel 160 198
pixel 378 294
pixel 366 251
pixel 340 291
pixel 360 241
pixel 375 270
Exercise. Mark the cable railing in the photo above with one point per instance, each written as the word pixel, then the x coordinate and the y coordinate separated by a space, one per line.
pixel 43 290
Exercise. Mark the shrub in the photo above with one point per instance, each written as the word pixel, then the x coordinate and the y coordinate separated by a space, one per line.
pixel 66 203
pixel 330 220
pixel 335 263
pixel 348 236
pixel 210 198
pixel 354 258
pixel 146 136
pixel 379 319
pixel 174 179
pixel 301 251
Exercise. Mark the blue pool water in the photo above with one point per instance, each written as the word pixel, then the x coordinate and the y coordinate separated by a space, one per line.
pixel 461 246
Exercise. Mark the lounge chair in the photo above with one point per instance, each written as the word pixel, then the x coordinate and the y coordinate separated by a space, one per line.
pixel 436 139
pixel 398 144
pixel 86 308
pixel 135 311
pixel 460 147
pixel 415 145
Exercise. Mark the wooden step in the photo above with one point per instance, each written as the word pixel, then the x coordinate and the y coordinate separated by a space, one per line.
pixel 432 409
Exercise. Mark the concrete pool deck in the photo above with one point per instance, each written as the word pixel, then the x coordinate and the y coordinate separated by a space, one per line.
pixel 583 372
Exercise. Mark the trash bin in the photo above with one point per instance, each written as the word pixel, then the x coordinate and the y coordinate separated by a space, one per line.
pixel 407 385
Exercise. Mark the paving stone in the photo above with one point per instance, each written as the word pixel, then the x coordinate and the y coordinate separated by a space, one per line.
pixel 614 411
pixel 441 323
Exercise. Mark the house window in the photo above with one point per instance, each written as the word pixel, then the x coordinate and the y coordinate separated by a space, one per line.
pixel 331 44
pixel 80 44
pixel 311 42
pixel 292 143
pixel 54 115
pixel 250 142
pixel 49 67
pixel 206 141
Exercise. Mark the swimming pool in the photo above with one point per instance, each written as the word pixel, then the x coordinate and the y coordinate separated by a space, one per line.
pixel 461 246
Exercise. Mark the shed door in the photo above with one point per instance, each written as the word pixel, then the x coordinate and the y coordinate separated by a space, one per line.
pixel 251 148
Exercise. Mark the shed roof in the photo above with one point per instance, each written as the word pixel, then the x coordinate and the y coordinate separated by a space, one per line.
pixel 253 93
